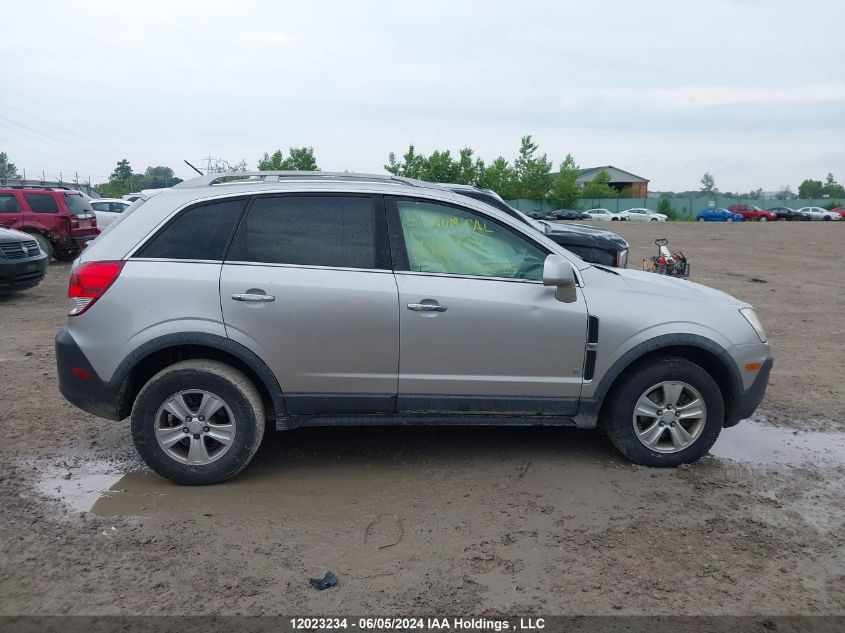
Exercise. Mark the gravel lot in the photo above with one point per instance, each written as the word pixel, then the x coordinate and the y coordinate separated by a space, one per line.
pixel 451 520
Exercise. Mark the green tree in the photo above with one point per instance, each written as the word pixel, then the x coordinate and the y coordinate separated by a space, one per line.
pixel 599 187
pixel 500 176
pixel 158 177
pixel 708 184
pixel 532 171
pixel 122 172
pixel 665 207
pixel 8 170
pixel 810 189
pixel 565 189
pixel 832 189
pixel 298 159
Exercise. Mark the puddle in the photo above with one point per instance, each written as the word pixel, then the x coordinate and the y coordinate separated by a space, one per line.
pixel 79 488
pixel 302 491
pixel 755 443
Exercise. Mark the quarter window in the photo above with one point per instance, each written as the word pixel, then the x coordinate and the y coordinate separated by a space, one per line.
pixel 41 202
pixel 318 230
pixel 200 232
pixel 443 239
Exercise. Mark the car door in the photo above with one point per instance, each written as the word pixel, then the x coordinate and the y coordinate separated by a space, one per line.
pixel 478 330
pixel 307 285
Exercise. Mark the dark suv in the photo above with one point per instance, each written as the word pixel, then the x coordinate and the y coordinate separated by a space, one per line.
pixel 591 244
pixel 22 263
pixel 60 220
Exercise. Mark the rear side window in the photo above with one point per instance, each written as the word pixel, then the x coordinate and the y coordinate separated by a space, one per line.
pixel 8 203
pixel 199 232
pixel 308 230
pixel 41 202
pixel 100 206
pixel 76 204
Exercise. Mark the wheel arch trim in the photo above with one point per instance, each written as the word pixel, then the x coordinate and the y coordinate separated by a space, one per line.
pixel 123 374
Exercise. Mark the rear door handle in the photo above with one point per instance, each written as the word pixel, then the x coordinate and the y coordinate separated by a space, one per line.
pixel 426 307
pixel 253 297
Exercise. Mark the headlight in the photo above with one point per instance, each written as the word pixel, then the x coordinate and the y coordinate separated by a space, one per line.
pixel 754 322
pixel 622 258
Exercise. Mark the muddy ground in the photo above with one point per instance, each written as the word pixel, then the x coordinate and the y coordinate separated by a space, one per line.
pixel 460 521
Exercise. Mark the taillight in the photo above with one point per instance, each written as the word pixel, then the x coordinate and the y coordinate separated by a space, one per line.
pixel 74 222
pixel 89 282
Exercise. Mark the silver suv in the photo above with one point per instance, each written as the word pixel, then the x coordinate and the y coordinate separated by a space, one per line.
pixel 314 299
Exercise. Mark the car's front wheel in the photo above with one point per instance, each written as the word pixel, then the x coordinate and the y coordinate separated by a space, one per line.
pixel 665 412
pixel 198 422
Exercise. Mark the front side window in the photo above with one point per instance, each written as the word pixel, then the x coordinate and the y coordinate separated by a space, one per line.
pixel 8 203
pixel 41 202
pixel 444 239
pixel 199 232
pixel 316 230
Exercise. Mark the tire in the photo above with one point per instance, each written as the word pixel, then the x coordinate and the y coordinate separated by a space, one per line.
pixel 241 419
pixel 700 220
pixel 763 219
pixel 619 423
pixel 44 244
pixel 826 218
pixel 729 220
pixel 65 256
pixel 654 220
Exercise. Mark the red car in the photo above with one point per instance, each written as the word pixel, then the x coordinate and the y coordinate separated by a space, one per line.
pixel 840 211
pixel 60 220
pixel 752 213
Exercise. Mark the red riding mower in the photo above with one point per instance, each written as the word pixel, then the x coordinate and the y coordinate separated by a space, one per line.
pixel 666 262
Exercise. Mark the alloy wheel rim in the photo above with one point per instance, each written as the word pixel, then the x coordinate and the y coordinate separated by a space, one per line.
pixel 669 416
pixel 195 427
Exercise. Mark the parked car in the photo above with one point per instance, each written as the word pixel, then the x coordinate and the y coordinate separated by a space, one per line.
pixel 641 214
pixel 303 326
pixel 566 214
pixel 839 210
pixel 718 215
pixel 819 213
pixel 22 263
pixel 592 244
pixel 108 209
pixel 535 215
pixel 788 214
pixel 60 220
pixel 752 213
pixel 604 214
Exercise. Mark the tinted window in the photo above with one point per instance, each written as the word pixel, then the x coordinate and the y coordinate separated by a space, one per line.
pixel 76 204
pixel 442 239
pixel 8 203
pixel 100 206
pixel 41 202
pixel 308 230
pixel 200 232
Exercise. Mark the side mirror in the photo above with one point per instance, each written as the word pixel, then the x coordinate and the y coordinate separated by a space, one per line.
pixel 558 272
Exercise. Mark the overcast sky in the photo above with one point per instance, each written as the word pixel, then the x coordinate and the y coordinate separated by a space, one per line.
pixel 750 90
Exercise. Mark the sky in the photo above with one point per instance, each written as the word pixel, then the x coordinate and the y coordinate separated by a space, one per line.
pixel 752 91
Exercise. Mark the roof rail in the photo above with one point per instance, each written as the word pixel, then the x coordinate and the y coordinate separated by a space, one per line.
pixel 244 177
pixel 47 187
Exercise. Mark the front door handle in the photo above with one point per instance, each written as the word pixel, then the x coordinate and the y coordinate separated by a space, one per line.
pixel 426 307
pixel 246 296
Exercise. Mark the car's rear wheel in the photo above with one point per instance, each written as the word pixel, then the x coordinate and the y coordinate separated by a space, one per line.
pixel 44 244
pixel 198 422
pixel 665 412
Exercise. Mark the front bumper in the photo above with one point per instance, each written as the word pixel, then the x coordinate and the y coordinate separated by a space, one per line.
pixel 81 385
pixel 22 274
pixel 746 402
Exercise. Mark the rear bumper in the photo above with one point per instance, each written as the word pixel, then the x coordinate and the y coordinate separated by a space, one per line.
pixel 745 403
pixel 22 274
pixel 81 385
